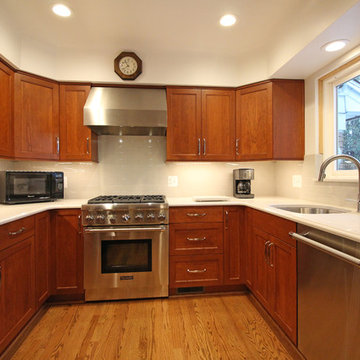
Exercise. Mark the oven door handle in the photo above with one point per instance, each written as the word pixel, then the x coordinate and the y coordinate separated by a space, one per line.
pixel 120 229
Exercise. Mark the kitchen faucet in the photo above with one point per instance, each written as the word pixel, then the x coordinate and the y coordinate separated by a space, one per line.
pixel 323 166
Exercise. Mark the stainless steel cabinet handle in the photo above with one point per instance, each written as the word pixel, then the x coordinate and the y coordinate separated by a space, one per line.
pixel 237 146
pixel 196 271
pixel 17 232
pixel 266 252
pixel 204 152
pixel 269 254
pixel 57 145
pixel 327 249
pixel 196 214
pixel 79 223
pixel 87 145
pixel 196 239
pixel 199 146
pixel 226 220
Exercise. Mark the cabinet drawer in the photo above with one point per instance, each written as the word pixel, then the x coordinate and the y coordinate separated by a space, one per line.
pixel 11 233
pixel 196 214
pixel 196 270
pixel 274 225
pixel 204 238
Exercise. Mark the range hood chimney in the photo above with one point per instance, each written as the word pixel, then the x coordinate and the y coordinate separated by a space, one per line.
pixel 126 111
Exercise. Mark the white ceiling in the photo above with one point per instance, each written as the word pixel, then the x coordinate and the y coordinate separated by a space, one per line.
pixel 178 27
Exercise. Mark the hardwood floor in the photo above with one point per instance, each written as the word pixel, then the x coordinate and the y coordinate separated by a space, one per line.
pixel 203 327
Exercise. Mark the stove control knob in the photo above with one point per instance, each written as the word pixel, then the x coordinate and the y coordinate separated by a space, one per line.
pixel 112 219
pixel 100 217
pixel 150 216
pixel 139 217
pixel 89 218
pixel 126 217
pixel 161 216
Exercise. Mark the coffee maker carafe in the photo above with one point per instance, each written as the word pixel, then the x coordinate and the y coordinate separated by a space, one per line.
pixel 242 183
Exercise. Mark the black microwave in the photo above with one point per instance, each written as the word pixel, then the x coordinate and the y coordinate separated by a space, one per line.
pixel 19 187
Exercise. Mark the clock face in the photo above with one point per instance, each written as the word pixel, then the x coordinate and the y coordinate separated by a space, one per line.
pixel 128 65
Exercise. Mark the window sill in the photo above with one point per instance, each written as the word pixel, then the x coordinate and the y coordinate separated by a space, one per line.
pixel 342 179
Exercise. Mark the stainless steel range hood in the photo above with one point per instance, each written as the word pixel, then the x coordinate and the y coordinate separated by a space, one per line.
pixel 126 111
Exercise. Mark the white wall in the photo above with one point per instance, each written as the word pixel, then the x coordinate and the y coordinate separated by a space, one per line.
pixel 136 165
pixel 337 193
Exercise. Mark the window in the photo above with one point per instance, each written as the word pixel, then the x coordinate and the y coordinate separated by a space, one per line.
pixel 341 119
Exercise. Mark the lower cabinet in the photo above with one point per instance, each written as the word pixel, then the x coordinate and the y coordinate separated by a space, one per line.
pixel 205 246
pixel 17 279
pixel 42 261
pixel 67 253
pixel 273 268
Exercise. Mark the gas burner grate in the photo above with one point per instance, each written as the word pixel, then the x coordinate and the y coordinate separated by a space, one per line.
pixel 127 199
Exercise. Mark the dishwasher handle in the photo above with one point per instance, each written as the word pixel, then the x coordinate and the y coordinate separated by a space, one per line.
pixel 327 249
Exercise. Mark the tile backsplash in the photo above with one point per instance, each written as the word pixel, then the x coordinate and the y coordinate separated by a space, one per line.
pixel 137 165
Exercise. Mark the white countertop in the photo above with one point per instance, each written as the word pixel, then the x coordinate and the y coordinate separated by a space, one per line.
pixel 346 224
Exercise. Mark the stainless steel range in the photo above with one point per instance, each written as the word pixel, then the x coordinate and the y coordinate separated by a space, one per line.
pixel 126 247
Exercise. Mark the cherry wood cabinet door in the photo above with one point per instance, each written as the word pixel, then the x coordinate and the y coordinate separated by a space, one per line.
pixel 233 245
pixel 42 248
pixel 6 111
pixel 254 130
pixel 36 118
pixel 184 124
pixel 67 253
pixel 262 285
pixel 218 125
pixel 17 288
pixel 77 142
pixel 284 302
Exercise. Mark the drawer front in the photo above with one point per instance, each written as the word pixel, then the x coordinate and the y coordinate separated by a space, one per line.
pixel 201 238
pixel 14 231
pixel 274 225
pixel 196 214
pixel 196 270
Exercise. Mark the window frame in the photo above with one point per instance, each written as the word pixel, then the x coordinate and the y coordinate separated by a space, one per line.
pixel 327 117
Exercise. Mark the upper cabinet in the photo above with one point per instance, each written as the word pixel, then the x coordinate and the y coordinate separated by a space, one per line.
pixel 36 118
pixel 77 142
pixel 201 124
pixel 270 121
pixel 6 110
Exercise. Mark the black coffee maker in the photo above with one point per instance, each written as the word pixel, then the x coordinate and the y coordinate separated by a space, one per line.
pixel 242 183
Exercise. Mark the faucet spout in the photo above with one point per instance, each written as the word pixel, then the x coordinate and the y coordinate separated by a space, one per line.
pixel 324 165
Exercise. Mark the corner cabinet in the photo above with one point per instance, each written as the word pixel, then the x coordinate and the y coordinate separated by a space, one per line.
pixel 201 124
pixel 67 254
pixel 272 269
pixel 77 142
pixel 36 118
pixel 6 111
pixel 270 121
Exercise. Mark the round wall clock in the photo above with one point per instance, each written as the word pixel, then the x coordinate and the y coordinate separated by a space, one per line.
pixel 128 65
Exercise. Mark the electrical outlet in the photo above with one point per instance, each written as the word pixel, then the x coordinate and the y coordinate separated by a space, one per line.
pixel 297 181
pixel 172 181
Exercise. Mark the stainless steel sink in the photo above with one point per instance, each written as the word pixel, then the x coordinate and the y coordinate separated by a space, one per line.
pixel 308 209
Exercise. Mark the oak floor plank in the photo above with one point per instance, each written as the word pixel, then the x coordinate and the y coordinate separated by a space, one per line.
pixel 221 327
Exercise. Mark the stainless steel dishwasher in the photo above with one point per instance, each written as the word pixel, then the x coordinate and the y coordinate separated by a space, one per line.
pixel 328 295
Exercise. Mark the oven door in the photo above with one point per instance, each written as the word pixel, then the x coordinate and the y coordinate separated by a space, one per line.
pixel 126 262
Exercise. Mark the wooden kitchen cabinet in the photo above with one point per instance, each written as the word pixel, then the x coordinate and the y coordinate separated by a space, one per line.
pixel 184 124
pixel 234 254
pixel 270 121
pixel 17 281
pixel 42 258
pixel 273 278
pixel 36 118
pixel 77 142
pixel 6 111
pixel 67 253
pixel 201 124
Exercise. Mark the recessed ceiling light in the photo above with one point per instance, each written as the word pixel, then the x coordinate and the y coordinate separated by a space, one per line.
pixel 61 10
pixel 228 20
pixel 335 45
